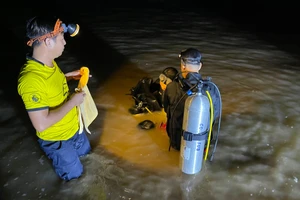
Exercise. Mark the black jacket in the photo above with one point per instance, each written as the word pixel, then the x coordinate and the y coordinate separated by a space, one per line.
pixel 173 102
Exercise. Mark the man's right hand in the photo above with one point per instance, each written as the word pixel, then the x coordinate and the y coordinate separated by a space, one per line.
pixel 77 98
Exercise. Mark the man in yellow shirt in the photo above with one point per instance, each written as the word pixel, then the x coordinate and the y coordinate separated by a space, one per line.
pixel 44 90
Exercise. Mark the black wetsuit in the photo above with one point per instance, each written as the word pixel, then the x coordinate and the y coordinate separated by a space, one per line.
pixel 146 94
pixel 174 100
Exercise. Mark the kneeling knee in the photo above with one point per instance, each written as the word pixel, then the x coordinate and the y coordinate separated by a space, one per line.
pixel 71 171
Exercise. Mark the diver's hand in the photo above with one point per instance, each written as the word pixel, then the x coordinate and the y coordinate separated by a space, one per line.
pixel 163 86
pixel 77 98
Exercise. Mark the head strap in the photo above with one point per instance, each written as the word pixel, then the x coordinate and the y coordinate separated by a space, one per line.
pixel 58 28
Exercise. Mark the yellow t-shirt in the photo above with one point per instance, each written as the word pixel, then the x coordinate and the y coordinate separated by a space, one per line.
pixel 43 87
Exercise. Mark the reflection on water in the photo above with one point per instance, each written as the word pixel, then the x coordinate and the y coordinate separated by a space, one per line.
pixel 258 151
pixel 120 133
pixel 256 155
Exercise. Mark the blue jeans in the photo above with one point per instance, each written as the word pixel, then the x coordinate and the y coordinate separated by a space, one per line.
pixel 65 155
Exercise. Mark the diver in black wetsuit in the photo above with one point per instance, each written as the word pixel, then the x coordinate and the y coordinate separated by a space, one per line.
pixel 175 94
pixel 148 94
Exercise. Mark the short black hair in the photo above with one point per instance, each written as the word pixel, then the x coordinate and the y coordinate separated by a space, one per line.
pixel 190 56
pixel 40 25
pixel 170 72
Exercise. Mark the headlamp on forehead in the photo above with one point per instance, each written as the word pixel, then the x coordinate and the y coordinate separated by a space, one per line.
pixel 72 29
pixel 59 27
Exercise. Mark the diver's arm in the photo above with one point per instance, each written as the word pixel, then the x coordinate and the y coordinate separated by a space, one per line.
pixel 165 100
pixel 43 119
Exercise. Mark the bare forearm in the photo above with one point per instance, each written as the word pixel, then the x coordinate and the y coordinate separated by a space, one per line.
pixel 73 75
pixel 57 114
pixel 43 119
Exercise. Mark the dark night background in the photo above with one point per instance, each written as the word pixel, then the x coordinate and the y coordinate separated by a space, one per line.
pixel 280 19
pixel 276 22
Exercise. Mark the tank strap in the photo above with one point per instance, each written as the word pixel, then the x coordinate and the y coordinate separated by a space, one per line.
pixel 190 136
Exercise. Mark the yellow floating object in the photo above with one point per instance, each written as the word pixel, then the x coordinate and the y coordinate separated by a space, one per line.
pixel 85 74
pixel 87 111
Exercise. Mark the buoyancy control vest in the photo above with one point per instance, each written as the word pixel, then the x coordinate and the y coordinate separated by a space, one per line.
pixel 176 111
pixel 146 95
